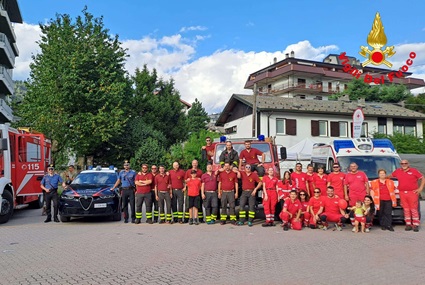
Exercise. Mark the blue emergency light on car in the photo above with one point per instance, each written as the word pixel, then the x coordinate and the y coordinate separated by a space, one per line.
pixel 384 143
pixel 343 144
pixel 223 139
pixel 261 138
pixel 111 167
pixel 90 167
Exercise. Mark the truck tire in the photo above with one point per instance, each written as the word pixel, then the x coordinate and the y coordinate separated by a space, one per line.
pixel 65 219
pixel 39 203
pixel 6 207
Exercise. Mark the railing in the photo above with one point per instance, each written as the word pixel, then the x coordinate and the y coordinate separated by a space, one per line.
pixel 7 78
pixel 6 110
pixel 8 47
pixel 314 87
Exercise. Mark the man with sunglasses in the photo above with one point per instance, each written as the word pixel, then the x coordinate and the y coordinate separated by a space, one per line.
pixel 250 185
pixel 208 150
pixel 408 179
pixel 299 178
pixel 250 156
pixel 336 179
pixel 143 183
pixel 126 179
pixel 49 184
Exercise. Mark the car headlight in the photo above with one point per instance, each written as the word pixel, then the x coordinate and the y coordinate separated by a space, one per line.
pixel 107 196
pixel 68 197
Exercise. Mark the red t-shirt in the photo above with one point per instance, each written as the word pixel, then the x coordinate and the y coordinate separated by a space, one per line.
pixel 384 193
pixel 210 151
pixel 407 180
pixel 162 182
pixel 321 183
pixel 193 187
pixel 292 207
pixel 270 183
pixel 250 157
pixel 336 180
pixel 331 204
pixel 209 181
pixel 189 175
pixel 356 183
pixel 310 179
pixel 283 189
pixel 315 204
pixel 299 180
pixel 153 180
pixel 143 177
pixel 177 178
pixel 248 181
pixel 228 180
pixel 304 205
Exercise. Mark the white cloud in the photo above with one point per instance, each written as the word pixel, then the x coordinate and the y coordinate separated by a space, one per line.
pixel 26 37
pixel 192 28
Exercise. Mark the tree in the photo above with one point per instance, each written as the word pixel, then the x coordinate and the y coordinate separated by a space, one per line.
pixel 78 86
pixel 416 103
pixel 197 117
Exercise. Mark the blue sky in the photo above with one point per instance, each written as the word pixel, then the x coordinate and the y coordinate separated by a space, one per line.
pixel 212 46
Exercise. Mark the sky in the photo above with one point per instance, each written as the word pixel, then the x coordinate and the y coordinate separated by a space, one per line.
pixel 210 47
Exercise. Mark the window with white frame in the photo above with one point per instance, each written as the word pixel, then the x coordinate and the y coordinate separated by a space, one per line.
pixel 343 129
pixel 280 126
pixel 323 128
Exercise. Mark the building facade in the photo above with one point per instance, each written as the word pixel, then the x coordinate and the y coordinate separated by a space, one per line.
pixel 9 13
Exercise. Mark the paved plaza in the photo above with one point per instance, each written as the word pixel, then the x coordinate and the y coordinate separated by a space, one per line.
pixel 98 251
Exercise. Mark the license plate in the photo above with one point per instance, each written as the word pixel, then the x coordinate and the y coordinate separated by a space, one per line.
pixel 100 205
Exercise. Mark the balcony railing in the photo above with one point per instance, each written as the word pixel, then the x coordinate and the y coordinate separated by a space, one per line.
pixel 6 80
pixel 8 48
pixel 301 86
pixel 5 110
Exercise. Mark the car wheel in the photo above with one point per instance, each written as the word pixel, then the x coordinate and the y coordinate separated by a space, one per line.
pixel 6 206
pixel 65 219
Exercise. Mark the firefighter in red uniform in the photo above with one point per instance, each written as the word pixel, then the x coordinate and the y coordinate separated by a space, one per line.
pixel 177 186
pixel 163 194
pixel 143 183
pixel 250 185
pixel 208 150
pixel 409 190
pixel 209 194
pixel 228 193
pixel 250 156
pixel 154 172
pixel 187 176
pixel 269 197
pixel 331 211
pixel 291 212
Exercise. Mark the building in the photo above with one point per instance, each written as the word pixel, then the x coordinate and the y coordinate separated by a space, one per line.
pixel 9 13
pixel 292 104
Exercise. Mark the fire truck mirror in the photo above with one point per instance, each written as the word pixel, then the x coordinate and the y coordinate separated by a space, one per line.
pixel 3 144
pixel 283 153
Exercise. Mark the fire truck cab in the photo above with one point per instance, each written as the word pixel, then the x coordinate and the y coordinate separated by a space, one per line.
pixel 24 156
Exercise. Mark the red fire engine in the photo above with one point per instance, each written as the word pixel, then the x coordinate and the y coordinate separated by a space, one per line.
pixel 24 156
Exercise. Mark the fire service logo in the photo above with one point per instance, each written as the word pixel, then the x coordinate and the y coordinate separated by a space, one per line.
pixel 377 56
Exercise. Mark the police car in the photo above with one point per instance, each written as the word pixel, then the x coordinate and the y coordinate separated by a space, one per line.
pixel 90 195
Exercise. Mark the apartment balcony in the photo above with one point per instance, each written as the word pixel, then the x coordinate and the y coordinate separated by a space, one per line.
pixel 6 25
pixel 6 114
pixel 302 88
pixel 7 56
pixel 6 82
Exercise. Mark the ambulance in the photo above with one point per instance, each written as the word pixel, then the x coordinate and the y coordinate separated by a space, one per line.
pixel 24 157
pixel 369 154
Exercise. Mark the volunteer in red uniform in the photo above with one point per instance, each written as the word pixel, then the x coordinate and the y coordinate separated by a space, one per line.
pixel 291 212
pixel 320 180
pixel 284 186
pixel 195 166
pixel 228 193
pixel 163 194
pixel 269 197
pixel 193 192
pixel 250 156
pixel 143 183
pixel 331 211
pixel 305 214
pixel 357 184
pixel 336 180
pixel 315 206
pixel 154 172
pixel 408 178
pixel 299 178
pixel 310 179
pixel 178 187
pixel 250 185
pixel 208 148
pixel 209 194
pixel 383 192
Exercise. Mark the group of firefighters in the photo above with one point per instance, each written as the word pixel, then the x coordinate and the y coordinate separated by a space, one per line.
pixel 299 199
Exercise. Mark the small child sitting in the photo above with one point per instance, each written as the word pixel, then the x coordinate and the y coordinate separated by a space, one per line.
pixel 359 216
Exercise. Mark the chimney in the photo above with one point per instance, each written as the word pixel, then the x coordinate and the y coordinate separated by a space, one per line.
pixel 292 54
pixel 286 55
pixel 274 60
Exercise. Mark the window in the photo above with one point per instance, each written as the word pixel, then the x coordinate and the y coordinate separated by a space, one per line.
pixel 231 130
pixel 319 128
pixel 286 127
pixel 301 82
pixel 300 96
pixel 318 98
pixel 404 126
pixel 382 126
pixel 339 129
pixel 364 132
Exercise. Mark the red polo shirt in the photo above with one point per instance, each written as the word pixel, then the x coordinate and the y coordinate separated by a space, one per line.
pixel 210 150
pixel 193 187
pixel 209 181
pixel 162 182
pixel 336 180
pixel 153 180
pixel 248 181
pixel 188 174
pixel 331 205
pixel 407 180
pixel 356 183
pixel 251 156
pixel 143 177
pixel 315 204
pixel 292 207
pixel 299 180
pixel 228 180
pixel 177 178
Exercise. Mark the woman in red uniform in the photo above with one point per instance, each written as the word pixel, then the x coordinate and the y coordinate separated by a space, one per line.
pixel 269 197
pixel 320 180
pixel 305 215
pixel 314 206
pixel 284 186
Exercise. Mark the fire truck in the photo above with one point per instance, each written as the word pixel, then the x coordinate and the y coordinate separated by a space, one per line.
pixel 369 154
pixel 24 157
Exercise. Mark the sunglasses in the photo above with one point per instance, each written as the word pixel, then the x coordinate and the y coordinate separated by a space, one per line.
pixel 317 192
pixel 302 194
pixel 208 140
pixel 49 168
pixel 403 163
pixel 248 167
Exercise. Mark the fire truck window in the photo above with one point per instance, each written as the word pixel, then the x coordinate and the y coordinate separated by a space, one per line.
pixel 33 152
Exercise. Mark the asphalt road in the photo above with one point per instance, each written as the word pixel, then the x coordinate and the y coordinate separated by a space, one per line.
pixel 98 251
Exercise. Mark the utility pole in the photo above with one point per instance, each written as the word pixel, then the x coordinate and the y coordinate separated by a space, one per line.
pixel 254 110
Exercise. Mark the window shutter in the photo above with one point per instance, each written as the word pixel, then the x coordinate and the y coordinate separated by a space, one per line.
pixel 351 130
pixel 315 128
pixel 291 127
pixel 334 129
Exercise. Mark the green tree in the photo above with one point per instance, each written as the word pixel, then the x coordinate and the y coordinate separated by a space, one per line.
pixel 416 103
pixel 404 143
pixel 78 86
pixel 197 117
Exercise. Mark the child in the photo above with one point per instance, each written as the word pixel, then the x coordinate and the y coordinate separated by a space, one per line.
pixel 193 190
pixel 359 216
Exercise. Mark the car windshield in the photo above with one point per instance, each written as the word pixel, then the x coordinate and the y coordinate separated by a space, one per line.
pixel 263 147
pixel 95 178
pixel 370 164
